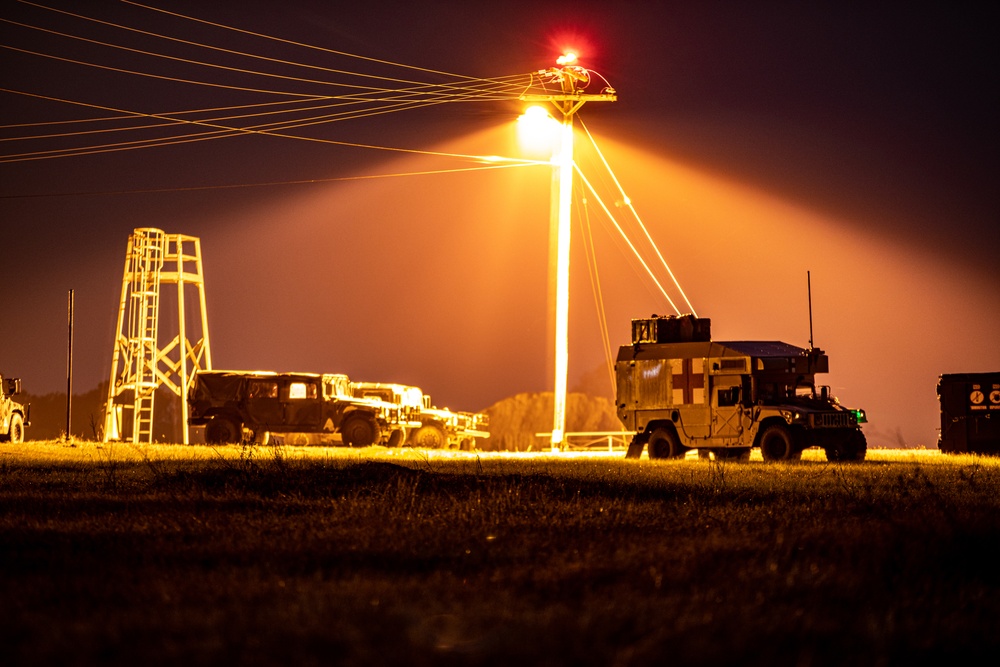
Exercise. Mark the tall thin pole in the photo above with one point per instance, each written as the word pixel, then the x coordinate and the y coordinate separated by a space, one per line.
pixel 564 233
pixel 809 289
pixel 69 371
pixel 572 80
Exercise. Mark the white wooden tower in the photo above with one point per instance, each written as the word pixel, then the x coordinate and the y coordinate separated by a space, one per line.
pixel 139 364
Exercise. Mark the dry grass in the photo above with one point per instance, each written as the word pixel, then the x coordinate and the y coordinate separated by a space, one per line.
pixel 174 554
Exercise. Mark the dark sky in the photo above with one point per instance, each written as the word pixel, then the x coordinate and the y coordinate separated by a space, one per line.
pixel 758 140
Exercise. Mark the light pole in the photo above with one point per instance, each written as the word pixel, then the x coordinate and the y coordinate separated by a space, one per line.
pixel 572 80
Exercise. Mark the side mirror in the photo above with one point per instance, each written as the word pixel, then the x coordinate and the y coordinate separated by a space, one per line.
pixel 13 386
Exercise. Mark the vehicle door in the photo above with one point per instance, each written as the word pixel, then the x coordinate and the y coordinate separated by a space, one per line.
pixel 727 409
pixel 263 405
pixel 303 406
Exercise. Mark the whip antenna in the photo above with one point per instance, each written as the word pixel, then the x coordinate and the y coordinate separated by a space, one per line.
pixel 810 293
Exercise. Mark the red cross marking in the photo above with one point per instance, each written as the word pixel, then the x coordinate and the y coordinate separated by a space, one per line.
pixel 688 380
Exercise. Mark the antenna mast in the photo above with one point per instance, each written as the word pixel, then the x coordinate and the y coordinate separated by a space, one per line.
pixel 810 292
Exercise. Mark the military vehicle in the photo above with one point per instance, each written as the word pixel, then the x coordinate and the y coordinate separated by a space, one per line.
pixel 242 406
pixel 14 417
pixel 679 390
pixel 423 425
pixel 970 413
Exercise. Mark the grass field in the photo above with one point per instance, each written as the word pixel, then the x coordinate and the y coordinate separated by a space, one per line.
pixel 330 556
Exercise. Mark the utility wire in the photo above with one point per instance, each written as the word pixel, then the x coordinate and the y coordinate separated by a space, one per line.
pixel 349 114
pixel 310 181
pixel 241 53
pixel 236 131
pixel 628 241
pixel 121 118
pixel 307 46
pixel 590 250
pixel 425 89
pixel 628 202
pixel 379 100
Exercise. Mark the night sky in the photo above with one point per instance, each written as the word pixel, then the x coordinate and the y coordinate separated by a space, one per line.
pixel 757 140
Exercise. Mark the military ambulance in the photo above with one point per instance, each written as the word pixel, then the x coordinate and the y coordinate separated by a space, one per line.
pixel 678 390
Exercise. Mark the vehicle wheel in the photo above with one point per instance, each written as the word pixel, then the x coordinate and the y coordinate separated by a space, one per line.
pixel 664 444
pixel 778 444
pixel 852 449
pixel 222 431
pixel 261 437
pixel 359 431
pixel 430 436
pixel 468 445
pixel 397 437
pixel 706 453
pixel 16 433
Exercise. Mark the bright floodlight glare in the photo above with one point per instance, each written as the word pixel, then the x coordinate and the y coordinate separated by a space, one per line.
pixel 537 131
pixel 567 58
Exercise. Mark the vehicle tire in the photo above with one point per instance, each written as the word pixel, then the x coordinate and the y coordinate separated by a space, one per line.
pixel 223 431
pixel 706 454
pixel 359 430
pixel 262 437
pixel 778 444
pixel 430 436
pixel 396 438
pixel 664 444
pixel 852 449
pixel 16 433
pixel 467 445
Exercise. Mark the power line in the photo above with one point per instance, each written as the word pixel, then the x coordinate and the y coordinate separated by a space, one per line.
pixel 628 241
pixel 214 65
pixel 628 203
pixel 300 44
pixel 221 131
pixel 369 101
pixel 311 181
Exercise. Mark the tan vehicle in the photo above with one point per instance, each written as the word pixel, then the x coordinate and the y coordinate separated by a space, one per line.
pixel 14 417
pixel 423 425
pixel 679 390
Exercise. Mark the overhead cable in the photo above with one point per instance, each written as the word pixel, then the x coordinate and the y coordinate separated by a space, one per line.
pixel 628 203
pixel 628 241
pixel 236 186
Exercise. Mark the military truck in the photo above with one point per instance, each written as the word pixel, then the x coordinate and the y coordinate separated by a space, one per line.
pixel 422 424
pixel 14 417
pixel 679 390
pixel 970 413
pixel 243 406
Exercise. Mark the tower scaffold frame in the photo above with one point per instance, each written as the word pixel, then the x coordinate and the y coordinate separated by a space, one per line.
pixel 139 365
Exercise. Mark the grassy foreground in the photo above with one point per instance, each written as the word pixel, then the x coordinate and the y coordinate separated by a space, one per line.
pixel 171 554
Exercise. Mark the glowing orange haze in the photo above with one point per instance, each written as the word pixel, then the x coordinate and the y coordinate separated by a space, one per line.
pixel 441 281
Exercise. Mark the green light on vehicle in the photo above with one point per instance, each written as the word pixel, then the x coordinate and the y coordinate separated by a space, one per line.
pixel 860 416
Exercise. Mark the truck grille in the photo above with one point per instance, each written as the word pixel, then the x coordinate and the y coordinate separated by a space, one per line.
pixel 832 420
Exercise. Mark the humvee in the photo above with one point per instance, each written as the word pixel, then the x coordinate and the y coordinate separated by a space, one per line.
pixel 239 406
pixel 679 390
pixel 14 417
